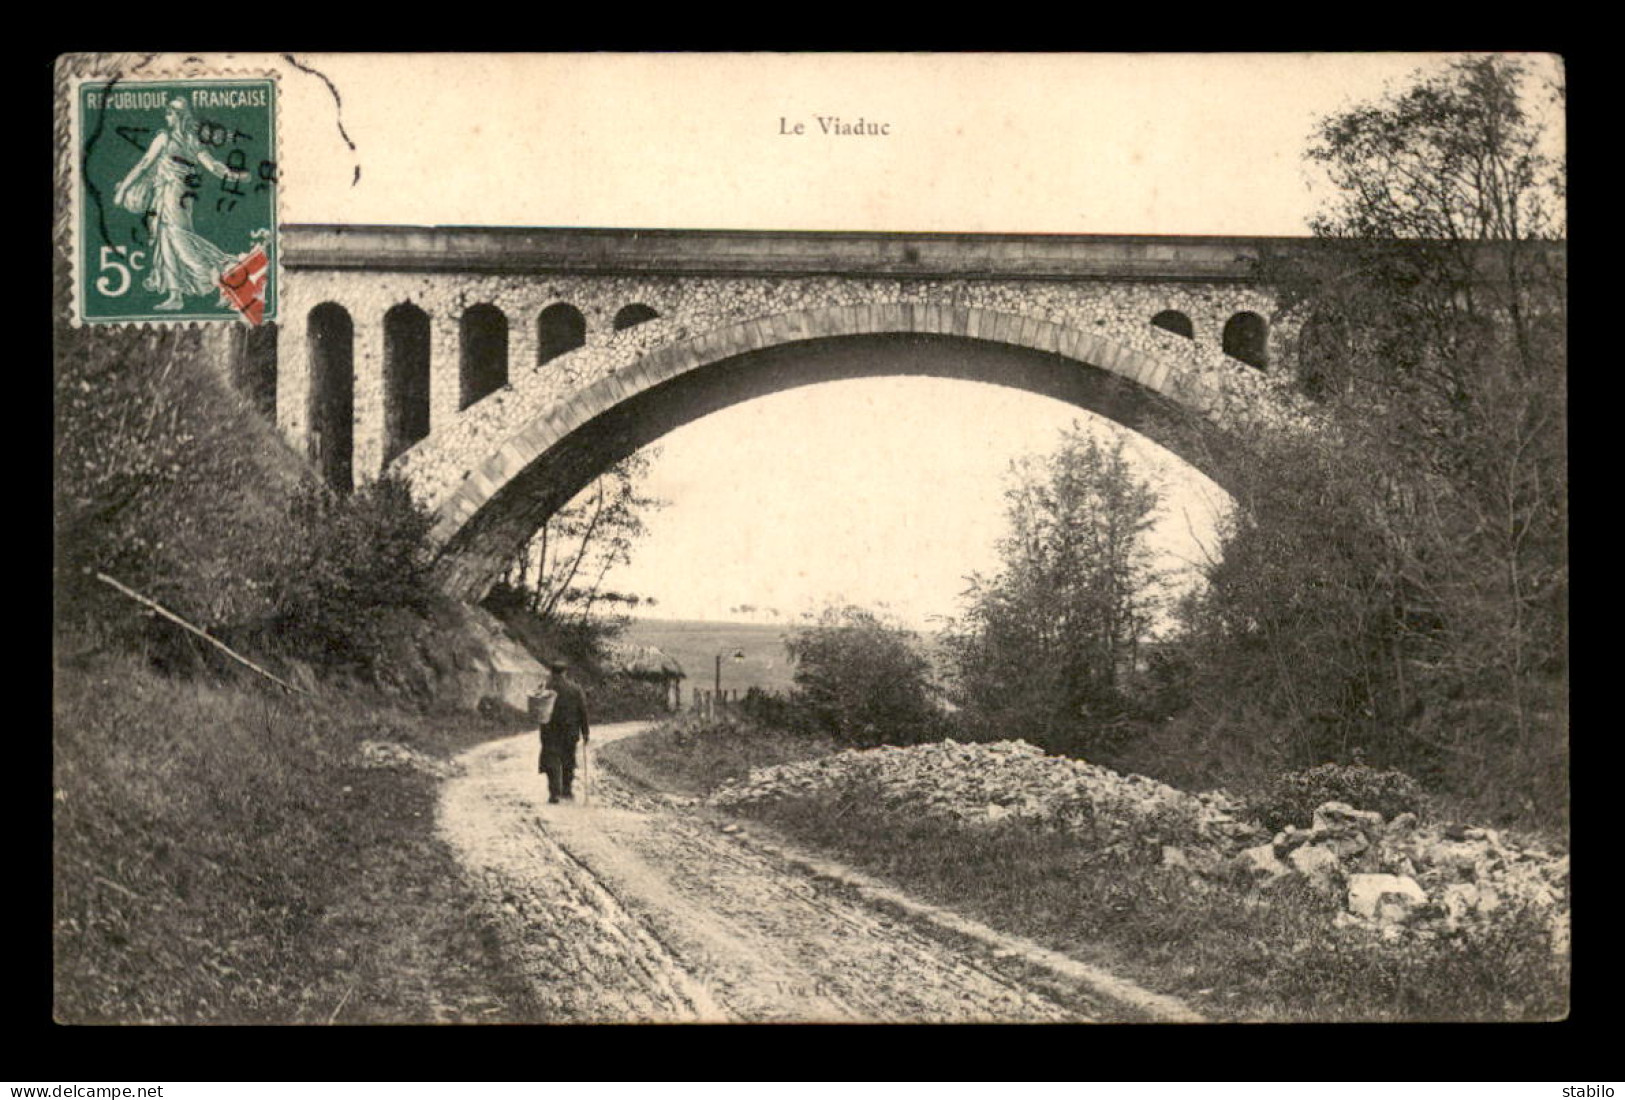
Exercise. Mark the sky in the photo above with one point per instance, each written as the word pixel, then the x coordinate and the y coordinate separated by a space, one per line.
pixel 1160 144
pixel 779 525
pixel 1056 143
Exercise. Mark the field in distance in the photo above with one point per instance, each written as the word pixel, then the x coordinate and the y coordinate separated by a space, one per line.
pixel 694 644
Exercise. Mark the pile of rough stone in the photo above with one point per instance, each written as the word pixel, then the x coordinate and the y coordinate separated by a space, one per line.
pixel 1003 780
pixel 1398 878
pixel 391 754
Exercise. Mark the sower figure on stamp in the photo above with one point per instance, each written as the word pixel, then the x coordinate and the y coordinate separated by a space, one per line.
pixel 560 730
pixel 164 184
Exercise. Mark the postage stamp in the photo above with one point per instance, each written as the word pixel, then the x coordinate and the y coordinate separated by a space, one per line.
pixel 175 192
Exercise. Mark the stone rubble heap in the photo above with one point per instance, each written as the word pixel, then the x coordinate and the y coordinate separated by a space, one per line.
pixel 1401 876
pixel 1398 878
pixel 391 754
pixel 1003 780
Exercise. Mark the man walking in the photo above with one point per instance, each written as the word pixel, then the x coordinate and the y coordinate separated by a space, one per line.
pixel 566 725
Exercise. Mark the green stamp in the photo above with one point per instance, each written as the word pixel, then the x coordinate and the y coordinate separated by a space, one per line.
pixel 176 195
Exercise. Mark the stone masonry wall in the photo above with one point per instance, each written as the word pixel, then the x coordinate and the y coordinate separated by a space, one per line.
pixel 689 306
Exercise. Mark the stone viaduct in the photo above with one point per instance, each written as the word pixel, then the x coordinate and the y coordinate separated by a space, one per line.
pixel 500 370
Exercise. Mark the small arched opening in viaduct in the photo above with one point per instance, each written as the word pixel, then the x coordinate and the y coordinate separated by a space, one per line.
pixel 330 336
pixel 483 344
pixel 406 378
pixel 1171 320
pixel 539 470
pixel 635 314
pixel 559 328
pixel 1247 338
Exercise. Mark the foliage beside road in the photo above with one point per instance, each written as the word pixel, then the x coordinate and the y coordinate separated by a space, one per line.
pixel 225 852
pixel 1049 644
pixel 1391 588
pixel 1394 585
pixel 228 855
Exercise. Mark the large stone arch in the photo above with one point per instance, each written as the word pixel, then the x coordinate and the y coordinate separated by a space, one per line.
pixel 540 468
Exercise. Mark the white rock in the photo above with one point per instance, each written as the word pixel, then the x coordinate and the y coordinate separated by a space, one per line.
pixel 1343 845
pixel 1386 898
pixel 1315 862
pixel 1338 816
pixel 1459 900
pixel 1525 885
pixel 1465 859
pixel 1261 861
pixel 1400 865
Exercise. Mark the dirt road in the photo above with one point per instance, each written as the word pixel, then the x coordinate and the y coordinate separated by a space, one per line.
pixel 639 907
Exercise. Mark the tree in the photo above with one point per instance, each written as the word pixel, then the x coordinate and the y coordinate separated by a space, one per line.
pixel 560 571
pixel 862 679
pixel 1049 645
pixel 1447 205
pixel 1398 583
pixel 1290 638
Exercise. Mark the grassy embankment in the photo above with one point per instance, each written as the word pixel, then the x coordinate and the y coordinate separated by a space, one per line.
pixel 1225 950
pixel 223 856
pixel 690 756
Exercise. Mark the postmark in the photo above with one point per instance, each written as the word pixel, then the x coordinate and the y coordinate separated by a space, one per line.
pixel 175 194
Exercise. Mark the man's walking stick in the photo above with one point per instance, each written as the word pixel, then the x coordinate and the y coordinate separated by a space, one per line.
pixel 586 774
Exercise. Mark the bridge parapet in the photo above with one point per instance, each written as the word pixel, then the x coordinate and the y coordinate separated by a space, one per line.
pixel 555 251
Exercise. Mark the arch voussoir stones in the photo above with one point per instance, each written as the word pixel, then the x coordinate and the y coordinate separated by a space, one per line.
pixel 554 429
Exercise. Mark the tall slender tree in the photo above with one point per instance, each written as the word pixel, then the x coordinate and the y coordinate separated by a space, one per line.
pixel 1047 646
pixel 562 569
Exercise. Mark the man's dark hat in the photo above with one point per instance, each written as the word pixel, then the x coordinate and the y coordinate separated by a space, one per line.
pixel 558 666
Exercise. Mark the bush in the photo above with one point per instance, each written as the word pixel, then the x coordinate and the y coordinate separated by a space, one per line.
pixel 771 708
pixel 618 698
pixel 862 680
pixel 1294 796
pixel 356 563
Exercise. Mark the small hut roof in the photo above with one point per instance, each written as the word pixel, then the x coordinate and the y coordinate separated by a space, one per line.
pixel 646 661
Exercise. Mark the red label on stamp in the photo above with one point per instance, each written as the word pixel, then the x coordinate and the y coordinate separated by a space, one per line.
pixel 243 284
